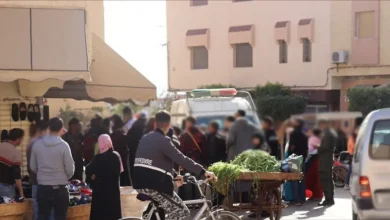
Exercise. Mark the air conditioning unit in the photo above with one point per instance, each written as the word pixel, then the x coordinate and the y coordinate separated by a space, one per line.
pixel 340 56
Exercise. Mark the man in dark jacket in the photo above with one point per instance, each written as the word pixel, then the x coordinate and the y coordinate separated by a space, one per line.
pixel 298 140
pixel 134 135
pixel 153 169
pixel 271 137
pixel 215 144
pixel 341 139
pixel 75 140
pixel 325 154
pixel 239 138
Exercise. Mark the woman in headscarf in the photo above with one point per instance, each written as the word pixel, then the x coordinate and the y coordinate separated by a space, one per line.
pixel 119 141
pixel 105 170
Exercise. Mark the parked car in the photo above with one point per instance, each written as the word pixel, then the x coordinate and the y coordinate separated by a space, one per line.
pixel 208 105
pixel 370 178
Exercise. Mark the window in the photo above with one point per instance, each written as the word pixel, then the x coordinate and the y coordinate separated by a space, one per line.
pixel 205 120
pixel 365 24
pixel 58 40
pixel 282 51
pixel 316 108
pixel 380 140
pixel 198 2
pixel 306 44
pixel 199 58
pixel 243 55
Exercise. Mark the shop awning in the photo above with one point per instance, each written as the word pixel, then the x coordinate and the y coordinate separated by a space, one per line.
pixel 113 80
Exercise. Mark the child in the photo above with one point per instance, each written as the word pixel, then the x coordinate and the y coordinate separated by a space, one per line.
pixel 259 143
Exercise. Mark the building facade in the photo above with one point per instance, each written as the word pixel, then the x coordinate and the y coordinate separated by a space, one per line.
pixel 246 43
pixel 43 44
pixel 361 29
pixel 56 49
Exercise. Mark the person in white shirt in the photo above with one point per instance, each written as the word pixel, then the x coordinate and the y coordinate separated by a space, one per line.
pixel 128 119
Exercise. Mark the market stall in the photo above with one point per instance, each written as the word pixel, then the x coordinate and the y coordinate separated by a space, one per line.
pixel 251 182
pixel 269 197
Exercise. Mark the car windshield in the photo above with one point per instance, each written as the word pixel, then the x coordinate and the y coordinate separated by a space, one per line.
pixel 205 120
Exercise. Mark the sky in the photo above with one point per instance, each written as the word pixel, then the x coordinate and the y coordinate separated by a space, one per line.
pixel 137 31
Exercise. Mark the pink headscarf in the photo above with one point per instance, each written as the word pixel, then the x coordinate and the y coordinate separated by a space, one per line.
pixel 105 143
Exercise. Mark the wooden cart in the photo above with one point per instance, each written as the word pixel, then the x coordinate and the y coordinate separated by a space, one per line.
pixel 269 198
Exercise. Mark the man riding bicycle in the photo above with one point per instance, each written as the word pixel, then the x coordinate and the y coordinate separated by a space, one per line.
pixel 153 169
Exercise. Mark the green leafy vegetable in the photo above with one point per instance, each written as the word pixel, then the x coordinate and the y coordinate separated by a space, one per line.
pixel 257 161
pixel 250 160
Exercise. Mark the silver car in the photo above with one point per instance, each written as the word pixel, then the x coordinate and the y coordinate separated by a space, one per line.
pixel 370 177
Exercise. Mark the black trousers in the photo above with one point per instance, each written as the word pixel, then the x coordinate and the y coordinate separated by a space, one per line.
pixel 54 198
pixel 78 171
pixel 326 181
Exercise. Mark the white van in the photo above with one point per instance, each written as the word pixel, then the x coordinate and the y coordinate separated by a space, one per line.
pixel 370 177
pixel 208 105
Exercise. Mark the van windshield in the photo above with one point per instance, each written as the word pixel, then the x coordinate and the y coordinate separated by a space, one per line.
pixel 205 120
pixel 380 140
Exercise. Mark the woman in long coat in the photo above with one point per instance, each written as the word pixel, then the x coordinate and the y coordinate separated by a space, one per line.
pixel 105 170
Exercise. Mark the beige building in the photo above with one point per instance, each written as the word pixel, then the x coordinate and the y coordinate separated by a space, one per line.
pixel 319 48
pixel 249 43
pixel 361 29
pixel 55 49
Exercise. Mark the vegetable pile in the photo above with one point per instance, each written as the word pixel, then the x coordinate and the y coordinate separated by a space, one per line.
pixel 257 161
pixel 250 160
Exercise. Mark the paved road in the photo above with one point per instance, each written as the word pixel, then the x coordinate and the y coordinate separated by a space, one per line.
pixel 342 210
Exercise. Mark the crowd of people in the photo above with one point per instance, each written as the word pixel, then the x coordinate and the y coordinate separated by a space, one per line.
pixel 319 147
pixel 108 154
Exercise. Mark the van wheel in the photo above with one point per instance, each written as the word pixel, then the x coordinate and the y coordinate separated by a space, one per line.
pixel 354 216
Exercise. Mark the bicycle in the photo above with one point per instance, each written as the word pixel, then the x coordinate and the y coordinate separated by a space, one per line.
pixel 340 168
pixel 204 213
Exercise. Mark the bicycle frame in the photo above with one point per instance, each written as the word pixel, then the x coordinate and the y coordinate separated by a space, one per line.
pixel 205 207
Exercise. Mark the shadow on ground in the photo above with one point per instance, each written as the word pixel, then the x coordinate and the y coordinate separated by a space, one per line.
pixel 341 210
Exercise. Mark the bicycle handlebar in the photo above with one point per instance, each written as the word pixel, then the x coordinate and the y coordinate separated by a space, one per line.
pixel 192 179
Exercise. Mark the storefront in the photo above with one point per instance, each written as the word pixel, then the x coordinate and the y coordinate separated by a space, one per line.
pixel 110 79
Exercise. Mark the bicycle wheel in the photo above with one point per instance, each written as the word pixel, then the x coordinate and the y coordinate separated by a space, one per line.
pixel 223 215
pixel 339 176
